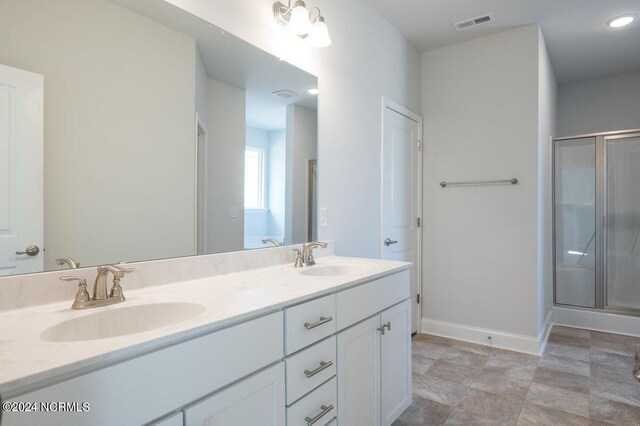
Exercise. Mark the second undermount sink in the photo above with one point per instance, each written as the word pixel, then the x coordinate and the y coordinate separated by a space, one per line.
pixel 122 321
pixel 334 270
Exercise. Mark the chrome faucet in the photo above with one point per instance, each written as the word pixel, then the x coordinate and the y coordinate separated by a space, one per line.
pixel 69 261
pixel 306 257
pixel 275 243
pixel 101 297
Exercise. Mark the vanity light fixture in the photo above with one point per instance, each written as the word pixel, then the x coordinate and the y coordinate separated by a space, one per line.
pixel 621 21
pixel 313 91
pixel 301 22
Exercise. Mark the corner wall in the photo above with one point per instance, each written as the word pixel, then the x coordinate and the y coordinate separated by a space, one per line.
pixel 302 146
pixel 547 101
pixel 226 111
pixel 480 102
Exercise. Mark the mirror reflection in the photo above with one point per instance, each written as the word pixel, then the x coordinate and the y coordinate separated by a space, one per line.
pixel 131 130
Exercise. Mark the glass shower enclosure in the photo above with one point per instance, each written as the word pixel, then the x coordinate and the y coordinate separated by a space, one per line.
pixel 596 183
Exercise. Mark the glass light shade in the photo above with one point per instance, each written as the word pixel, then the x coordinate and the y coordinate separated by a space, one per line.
pixel 319 35
pixel 299 23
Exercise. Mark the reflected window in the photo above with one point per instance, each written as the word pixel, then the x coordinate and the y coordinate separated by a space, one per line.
pixel 254 182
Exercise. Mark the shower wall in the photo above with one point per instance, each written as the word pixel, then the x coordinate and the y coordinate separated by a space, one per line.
pixel 597 221
pixel 575 222
pixel 623 222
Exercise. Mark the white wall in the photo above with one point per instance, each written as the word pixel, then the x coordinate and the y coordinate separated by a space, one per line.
pixel 369 59
pixel 480 108
pixel 226 110
pixel 547 100
pixel 599 105
pixel 302 146
pixel 256 222
pixel 101 154
pixel 277 183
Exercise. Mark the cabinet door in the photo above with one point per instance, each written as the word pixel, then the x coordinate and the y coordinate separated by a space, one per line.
pixel 359 374
pixel 395 362
pixel 255 401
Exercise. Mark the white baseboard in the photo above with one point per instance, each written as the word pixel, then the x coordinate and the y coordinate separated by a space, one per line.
pixel 499 339
pixel 598 321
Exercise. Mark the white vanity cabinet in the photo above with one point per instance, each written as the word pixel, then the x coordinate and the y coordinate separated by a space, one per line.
pixel 374 356
pixel 342 358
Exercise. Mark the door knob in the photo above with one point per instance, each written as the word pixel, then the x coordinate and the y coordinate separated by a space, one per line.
pixel 31 250
pixel 389 241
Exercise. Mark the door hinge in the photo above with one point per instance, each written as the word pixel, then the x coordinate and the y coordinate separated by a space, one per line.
pixel 419 145
pixel 418 297
pixel 418 222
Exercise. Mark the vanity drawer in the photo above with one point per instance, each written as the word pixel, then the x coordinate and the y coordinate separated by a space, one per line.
pixel 321 404
pixel 309 322
pixel 358 303
pixel 310 368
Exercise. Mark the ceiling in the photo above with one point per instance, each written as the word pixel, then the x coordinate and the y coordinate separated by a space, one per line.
pixel 233 61
pixel 581 46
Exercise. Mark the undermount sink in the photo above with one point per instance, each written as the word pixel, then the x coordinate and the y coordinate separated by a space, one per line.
pixel 121 321
pixel 334 270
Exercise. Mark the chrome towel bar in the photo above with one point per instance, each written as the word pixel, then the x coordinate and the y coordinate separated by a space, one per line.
pixel 512 181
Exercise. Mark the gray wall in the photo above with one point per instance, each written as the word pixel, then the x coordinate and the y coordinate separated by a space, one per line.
pixel 302 145
pixel 599 105
pixel 226 111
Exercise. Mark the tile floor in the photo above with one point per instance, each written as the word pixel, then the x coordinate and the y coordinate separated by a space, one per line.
pixel 583 378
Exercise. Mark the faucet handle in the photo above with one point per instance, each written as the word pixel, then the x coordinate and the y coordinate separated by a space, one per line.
pixel 81 280
pixel 119 271
pixel 298 262
pixel 82 296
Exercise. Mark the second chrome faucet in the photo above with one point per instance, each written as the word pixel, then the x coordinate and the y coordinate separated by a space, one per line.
pixel 101 295
pixel 305 257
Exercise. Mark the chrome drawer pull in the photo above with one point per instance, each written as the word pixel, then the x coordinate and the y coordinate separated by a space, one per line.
pixel 325 410
pixel 323 365
pixel 322 320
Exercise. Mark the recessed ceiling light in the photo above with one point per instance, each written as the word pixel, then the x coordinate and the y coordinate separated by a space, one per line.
pixel 313 91
pixel 621 21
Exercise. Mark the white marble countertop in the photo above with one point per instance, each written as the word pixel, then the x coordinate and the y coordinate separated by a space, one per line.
pixel 28 362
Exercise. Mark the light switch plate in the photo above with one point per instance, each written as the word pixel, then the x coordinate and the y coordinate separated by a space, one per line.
pixel 322 216
pixel 233 212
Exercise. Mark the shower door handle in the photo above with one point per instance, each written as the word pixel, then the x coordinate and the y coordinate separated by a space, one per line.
pixel 389 241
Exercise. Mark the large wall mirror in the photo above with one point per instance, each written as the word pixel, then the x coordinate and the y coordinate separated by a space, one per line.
pixel 131 130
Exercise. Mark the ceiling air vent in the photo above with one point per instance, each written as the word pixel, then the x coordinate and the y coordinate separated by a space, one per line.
pixel 285 94
pixel 474 22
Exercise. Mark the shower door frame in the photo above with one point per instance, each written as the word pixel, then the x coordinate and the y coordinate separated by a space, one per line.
pixel 600 222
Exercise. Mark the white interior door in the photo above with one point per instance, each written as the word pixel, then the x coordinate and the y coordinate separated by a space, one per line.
pixel 401 194
pixel 21 171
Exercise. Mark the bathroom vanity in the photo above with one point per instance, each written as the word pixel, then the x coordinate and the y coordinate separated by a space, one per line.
pixel 269 346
